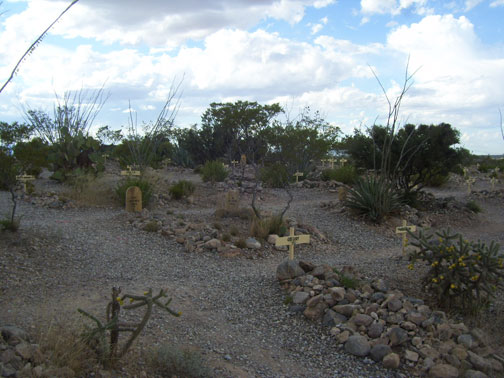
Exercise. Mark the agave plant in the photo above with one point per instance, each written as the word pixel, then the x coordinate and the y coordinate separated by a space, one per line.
pixel 374 198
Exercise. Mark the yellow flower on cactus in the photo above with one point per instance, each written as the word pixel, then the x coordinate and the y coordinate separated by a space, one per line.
pixel 479 257
pixel 462 264
pixel 410 266
pixel 179 313
pixel 131 300
pixel 146 292
pixel 434 280
pixel 440 239
pixel 475 277
pixel 120 301
pixel 435 263
pixel 441 277
pixel 453 286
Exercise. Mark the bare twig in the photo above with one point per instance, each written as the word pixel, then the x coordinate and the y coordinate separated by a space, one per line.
pixel 34 45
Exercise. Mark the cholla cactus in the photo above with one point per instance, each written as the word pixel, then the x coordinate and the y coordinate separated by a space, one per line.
pixel 109 353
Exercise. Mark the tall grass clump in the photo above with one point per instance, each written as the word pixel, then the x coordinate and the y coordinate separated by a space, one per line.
pixel 182 188
pixel 346 174
pixel 262 227
pixel 213 171
pixel 374 198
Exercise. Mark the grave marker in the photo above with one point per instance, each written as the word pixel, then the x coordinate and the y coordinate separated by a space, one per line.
pixel 133 199
pixel 404 230
pixel 105 156
pixel 230 201
pixel 332 161
pixel 243 159
pixel 465 170
pixel 343 161
pixel 298 174
pixel 492 182
pixel 234 162
pixel 469 182
pixel 24 178
pixel 291 241
pixel 130 172
pixel 323 162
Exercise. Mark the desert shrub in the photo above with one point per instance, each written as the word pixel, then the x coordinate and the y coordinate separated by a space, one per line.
pixel 32 155
pixel 242 213
pixel 473 206
pixel 346 174
pixel 144 185
pixel 7 224
pixel 152 226
pixel 374 198
pixel 169 360
pixel 213 171
pixel 182 188
pixel 226 237
pixel 462 274
pixel 488 164
pixel 261 228
pixel 217 226
pixel 437 180
pixel 241 243
pixel 274 176
pixel 347 281
pixel 234 231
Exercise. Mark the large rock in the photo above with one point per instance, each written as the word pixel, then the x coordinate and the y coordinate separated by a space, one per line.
pixel 479 362
pixel 358 346
pixel 300 297
pixel 346 310
pixel 288 269
pixel 397 336
pixel 316 312
pixel 332 318
pixel 252 243
pixel 362 320
pixel 375 330
pixel 12 334
pixel 391 361
pixel 443 371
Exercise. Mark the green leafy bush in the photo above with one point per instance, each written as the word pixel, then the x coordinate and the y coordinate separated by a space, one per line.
pixel 144 185
pixel 374 198
pixel 152 226
pixel 462 274
pixel 473 206
pixel 437 180
pixel 347 281
pixel 7 224
pixel 346 174
pixel 213 171
pixel 182 188
pixel 170 361
pixel 275 176
pixel 32 156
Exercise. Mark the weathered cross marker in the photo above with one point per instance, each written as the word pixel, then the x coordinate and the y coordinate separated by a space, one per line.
pixel 24 178
pixel 243 159
pixel 332 161
pixel 465 170
pixel 404 230
pixel 492 182
pixel 234 162
pixel 105 156
pixel 130 172
pixel 469 182
pixel 298 174
pixel 291 241
pixel 323 162
pixel 343 161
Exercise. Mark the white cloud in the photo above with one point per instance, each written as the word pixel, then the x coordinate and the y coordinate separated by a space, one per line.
pixel 316 28
pixel 470 4
pixel 497 3
pixel 393 7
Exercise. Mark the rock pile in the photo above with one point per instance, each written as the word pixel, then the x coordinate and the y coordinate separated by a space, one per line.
pixel 386 326
pixel 20 358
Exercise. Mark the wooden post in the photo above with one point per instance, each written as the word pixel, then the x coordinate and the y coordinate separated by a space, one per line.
pixel 24 178
pixel 469 182
pixel 298 174
pixel 492 182
pixel 404 230
pixel 291 241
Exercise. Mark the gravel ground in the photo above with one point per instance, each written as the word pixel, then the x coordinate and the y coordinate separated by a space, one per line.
pixel 233 310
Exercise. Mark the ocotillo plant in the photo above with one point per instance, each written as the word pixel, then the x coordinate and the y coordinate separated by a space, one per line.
pixel 110 353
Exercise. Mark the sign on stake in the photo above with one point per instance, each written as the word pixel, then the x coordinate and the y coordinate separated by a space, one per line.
pixel 404 230
pixel 332 161
pixel 291 241
pixel 298 174
pixel 24 178
pixel 130 172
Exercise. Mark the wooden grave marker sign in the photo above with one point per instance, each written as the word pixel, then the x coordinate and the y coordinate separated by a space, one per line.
pixel 465 170
pixel 331 161
pixel 469 183
pixel 105 156
pixel 298 174
pixel 291 241
pixel 130 172
pixel 343 161
pixel 133 199
pixel 323 162
pixel 243 160
pixel 234 162
pixel 24 178
pixel 404 231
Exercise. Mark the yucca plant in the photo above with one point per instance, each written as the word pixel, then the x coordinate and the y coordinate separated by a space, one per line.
pixel 373 197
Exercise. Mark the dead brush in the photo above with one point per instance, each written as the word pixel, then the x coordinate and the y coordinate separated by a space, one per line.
pixel 261 228
pixel 88 190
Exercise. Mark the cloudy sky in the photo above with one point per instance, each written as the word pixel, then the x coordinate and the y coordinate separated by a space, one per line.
pixel 294 52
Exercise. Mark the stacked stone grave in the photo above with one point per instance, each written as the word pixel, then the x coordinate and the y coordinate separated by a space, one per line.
pixel 386 326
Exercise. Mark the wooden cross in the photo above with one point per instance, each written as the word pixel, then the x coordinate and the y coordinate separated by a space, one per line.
pixel 291 241
pixel 492 181
pixel 130 172
pixel 105 156
pixel 24 178
pixel 469 182
pixel 243 159
pixel 323 162
pixel 331 160
pixel 234 162
pixel 404 230
pixel 465 170
pixel 343 161
pixel 298 174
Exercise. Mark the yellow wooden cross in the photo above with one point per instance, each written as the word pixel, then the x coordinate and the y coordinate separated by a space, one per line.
pixel 465 170
pixel 331 160
pixel 24 178
pixel 291 241
pixel 343 161
pixel 105 156
pixel 298 174
pixel 469 182
pixel 323 162
pixel 243 159
pixel 404 230
pixel 234 162
pixel 492 181
pixel 130 172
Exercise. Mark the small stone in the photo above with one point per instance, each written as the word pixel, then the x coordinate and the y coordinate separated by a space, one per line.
pixel 343 337
pixel 362 320
pixel 474 374
pixel 332 318
pixel 416 317
pixel 375 330
pixel 25 350
pixel 380 285
pixel 379 351
pixel 408 326
pixel 443 371
pixel 394 305
pixel 316 312
pixel 338 293
pixel 346 310
pixel 466 340
pixel 252 243
pixel 12 334
pixel 452 360
pixel 429 352
pixel 391 361
pixel 444 332
pixel 397 336
pixel 479 362
pixel 416 341
pixel 410 355
pixel 300 297
pixel 306 266
pixel 313 301
pixel 272 238
pixel 212 244
pixel 460 352
pixel 357 345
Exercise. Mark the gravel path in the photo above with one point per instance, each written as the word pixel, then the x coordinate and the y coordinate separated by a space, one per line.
pixel 232 309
